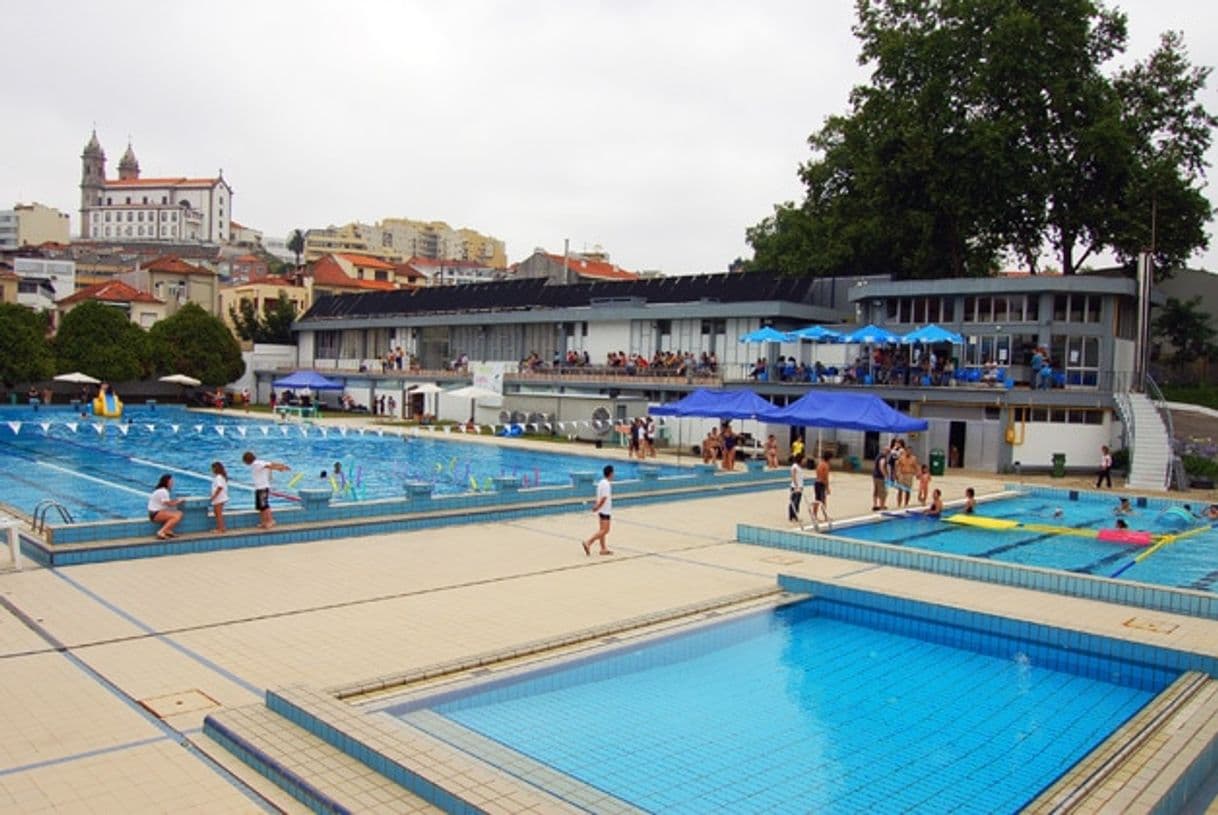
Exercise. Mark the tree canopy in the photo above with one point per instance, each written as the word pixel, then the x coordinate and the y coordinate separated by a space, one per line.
pixel 273 325
pixel 195 343
pixel 101 341
pixel 27 354
pixel 1186 325
pixel 989 132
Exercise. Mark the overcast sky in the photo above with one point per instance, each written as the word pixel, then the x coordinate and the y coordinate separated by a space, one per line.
pixel 659 131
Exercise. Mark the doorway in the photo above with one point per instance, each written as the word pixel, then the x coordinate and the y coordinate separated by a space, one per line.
pixel 955 443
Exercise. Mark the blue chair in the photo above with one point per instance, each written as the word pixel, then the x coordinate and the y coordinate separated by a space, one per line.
pixel 1059 379
pixel 926 380
pixel 1008 383
pixel 974 374
pixel 868 379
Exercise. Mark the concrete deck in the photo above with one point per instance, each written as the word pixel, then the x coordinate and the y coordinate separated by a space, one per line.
pixel 108 670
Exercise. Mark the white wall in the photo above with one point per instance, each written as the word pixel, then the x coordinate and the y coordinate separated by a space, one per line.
pixel 1080 442
pixel 606 338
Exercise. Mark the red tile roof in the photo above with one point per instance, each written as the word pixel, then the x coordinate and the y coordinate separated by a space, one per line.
pixel 112 291
pixel 162 182
pixel 407 271
pixel 247 259
pixel 595 268
pixel 366 261
pixel 175 265
pixel 328 273
pixel 268 280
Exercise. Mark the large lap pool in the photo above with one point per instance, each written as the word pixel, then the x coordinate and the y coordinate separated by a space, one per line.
pixel 821 706
pixel 1191 562
pixel 102 469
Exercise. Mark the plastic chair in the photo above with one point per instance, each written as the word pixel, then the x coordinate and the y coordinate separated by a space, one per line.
pixel 868 379
pixel 926 379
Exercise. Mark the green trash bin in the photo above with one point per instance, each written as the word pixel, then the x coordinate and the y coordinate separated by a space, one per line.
pixel 1059 465
pixel 938 462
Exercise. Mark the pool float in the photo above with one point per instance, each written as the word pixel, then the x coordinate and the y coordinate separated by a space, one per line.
pixel 108 404
pixel 1136 537
pixel 982 521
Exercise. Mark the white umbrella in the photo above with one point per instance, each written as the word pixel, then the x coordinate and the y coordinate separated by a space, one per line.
pixel 79 378
pixel 181 379
pixel 474 393
pixel 426 388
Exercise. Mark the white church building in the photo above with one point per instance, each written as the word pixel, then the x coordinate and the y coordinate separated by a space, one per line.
pixel 133 209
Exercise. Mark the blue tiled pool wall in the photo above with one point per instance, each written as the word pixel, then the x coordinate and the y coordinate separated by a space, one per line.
pixel 1062 494
pixel 439 513
pixel 1190 603
pixel 1132 664
pixel 574 671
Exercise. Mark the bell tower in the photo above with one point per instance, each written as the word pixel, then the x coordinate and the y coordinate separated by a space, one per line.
pixel 92 181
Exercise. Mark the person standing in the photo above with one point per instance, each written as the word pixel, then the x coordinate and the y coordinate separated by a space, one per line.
pixel 820 492
pixel 796 496
pixel 161 508
pixel 907 470
pixel 729 447
pixel 262 470
pixel 1105 473
pixel 245 399
pixel 219 494
pixel 604 512
pixel 879 482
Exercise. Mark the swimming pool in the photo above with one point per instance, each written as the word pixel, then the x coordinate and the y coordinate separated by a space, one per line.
pixel 1189 562
pixel 106 469
pixel 819 706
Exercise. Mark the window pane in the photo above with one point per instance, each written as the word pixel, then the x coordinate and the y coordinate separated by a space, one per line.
pixel 1061 304
pixel 1093 309
pixel 970 310
pixel 1000 309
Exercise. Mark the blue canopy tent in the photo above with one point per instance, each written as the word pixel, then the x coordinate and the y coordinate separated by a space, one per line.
pixel 308 379
pixel 720 404
pixel 849 411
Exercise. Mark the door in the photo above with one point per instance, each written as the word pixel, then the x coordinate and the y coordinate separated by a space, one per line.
pixel 955 444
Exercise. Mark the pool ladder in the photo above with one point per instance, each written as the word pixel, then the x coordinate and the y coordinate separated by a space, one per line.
pixel 43 509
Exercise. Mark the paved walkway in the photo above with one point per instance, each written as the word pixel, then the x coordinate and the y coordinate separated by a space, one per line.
pixel 108 670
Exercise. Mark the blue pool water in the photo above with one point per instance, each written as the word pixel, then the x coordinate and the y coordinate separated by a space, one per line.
pixel 1191 562
pixel 106 469
pixel 803 710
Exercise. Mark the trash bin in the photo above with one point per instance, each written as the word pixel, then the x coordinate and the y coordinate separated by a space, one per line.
pixel 1059 465
pixel 938 462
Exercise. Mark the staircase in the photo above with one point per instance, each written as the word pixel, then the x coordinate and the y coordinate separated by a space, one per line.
pixel 1151 453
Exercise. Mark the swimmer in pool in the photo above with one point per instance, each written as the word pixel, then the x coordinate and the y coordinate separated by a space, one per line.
pixel 1123 507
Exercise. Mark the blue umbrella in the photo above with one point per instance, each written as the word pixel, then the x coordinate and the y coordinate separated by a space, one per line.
pixel 871 334
pixel 308 379
pixel 817 333
pixel 765 334
pixel 932 333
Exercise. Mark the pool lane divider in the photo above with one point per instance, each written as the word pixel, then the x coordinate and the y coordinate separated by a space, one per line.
pixel 1166 540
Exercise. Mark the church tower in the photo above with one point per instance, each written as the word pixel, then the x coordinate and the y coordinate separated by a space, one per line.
pixel 92 181
pixel 128 167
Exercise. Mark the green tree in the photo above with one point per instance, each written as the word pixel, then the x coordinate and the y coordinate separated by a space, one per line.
pixel 197 344
pixel 275 325
pixel 1187 327
pixel 27 354
pixel 99 340
pixel 296 245
pixel 988 130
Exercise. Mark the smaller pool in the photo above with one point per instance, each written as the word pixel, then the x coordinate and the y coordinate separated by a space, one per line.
pixel 1188 563
pixel 823 706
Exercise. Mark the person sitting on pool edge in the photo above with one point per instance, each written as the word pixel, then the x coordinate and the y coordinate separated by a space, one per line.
pixel 162 509
pixel 935 509
pixel 970 501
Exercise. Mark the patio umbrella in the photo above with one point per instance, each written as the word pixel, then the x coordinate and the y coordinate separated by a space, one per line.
pixel 426 388
pixel 474 393
pixel 871 335
pixel 765 334
pixel 78 378
pixel 931 333
pixel 817 333
pixel 181 379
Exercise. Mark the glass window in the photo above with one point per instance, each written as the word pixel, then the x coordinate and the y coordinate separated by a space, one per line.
pixel 1061 306
pixel 1057 415
pixel 1040 415
pixel 1000 310
pixel 1093 308
pixel 970 310
pixel 1076 308
pixel 985 309
pixel 890 310
pixel 1031 308
pixel 949 309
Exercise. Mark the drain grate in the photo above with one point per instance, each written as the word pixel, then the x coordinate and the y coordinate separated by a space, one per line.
pixel 175 704
pixel 1154 626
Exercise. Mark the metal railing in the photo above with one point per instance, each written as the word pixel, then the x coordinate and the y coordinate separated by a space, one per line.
pixel 43 508
pixel 1176 476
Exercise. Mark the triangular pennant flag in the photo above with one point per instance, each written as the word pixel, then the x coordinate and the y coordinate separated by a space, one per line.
pixel 123 428
pixel 46 427
pixel 174 427
pixel 284 429
pixel 265 430
pixel 380 431
pixel 219 430
pixel 304 431
pixel 325 432
pixel 342 431
pixel 100 428
pixel 71 426
pixel 198 428
pixel 16 427
pixel 242 430
pixel 151 428
pixel 361 431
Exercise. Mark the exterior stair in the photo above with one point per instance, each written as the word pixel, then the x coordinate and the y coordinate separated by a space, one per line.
pixel 1151 456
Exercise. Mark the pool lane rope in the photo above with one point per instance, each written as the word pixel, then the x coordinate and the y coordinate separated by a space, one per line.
pixel 1166 540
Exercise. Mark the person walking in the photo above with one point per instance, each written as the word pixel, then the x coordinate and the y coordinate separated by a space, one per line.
pixel 162 509
pixel 1105 473
pixel 796 495
pixel 820 493
pixel 262 470
pixel 604 512
pixel 219 494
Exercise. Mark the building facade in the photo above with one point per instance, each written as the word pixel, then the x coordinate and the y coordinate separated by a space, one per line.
pixel 41 282
pixel 399 239
pixel 31 225
pixel 167 209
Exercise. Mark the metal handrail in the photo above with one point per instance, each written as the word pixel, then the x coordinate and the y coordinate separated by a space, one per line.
pixel 43 508
pixel 1156 396
pixel 1175 466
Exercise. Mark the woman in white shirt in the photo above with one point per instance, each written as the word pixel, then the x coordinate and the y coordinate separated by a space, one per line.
pixel 219 494
pixel 161 508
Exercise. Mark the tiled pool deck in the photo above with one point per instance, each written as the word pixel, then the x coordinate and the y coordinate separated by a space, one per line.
pixel 108 669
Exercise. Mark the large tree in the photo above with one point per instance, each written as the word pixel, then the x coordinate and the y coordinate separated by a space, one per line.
pixel 296 244
pixel 989 131
pixel 101 341
pixel 197 344
pixel 273 325
pixel 1186 325
pixel 27 354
